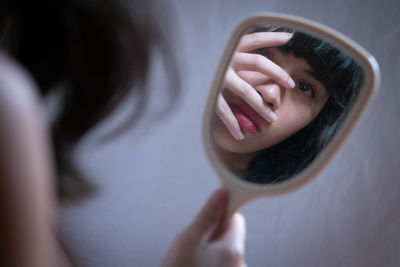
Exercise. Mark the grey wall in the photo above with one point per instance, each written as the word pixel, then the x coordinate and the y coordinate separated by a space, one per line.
pixel 153 179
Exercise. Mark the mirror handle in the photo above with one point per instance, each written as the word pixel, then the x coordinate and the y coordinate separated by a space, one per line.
pixel 236 200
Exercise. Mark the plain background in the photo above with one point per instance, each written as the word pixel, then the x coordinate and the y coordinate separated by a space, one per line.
pixel 154 178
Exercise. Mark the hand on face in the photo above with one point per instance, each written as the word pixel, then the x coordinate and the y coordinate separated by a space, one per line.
pixel 256 66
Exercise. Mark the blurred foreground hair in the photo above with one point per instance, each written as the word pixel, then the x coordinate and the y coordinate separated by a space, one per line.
pixel 94 53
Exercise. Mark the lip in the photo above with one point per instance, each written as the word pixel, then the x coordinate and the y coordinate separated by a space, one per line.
pixel 247 117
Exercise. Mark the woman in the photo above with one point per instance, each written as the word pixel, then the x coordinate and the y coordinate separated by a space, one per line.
pixel 90 55
pixel 284 97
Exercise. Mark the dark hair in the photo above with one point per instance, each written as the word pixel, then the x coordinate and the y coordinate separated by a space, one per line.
pixel 341 77
pixel 96 53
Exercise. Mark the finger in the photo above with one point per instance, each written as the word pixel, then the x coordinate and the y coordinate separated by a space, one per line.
pixel 225 113
pixel 232 242
pixel 253 78
pixel 235 233
pixel 269 90
pixel 250 95
pixel 211 215
pixel 256 62
pixel 252 41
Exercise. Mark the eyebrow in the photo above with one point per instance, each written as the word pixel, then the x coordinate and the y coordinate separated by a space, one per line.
pixel 314 76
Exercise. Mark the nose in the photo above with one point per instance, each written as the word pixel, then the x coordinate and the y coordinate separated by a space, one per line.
pixel 271 93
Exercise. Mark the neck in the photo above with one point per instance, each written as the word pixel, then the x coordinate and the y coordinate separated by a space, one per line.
pixel 236 162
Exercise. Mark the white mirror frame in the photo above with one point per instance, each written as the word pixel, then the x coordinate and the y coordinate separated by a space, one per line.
pixel 240 191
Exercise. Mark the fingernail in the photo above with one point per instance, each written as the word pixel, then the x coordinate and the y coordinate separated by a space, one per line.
pixel 239 135
pixel 272 116
pixel 291 83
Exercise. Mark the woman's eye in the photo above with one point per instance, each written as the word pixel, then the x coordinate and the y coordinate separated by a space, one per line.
pixel 306 88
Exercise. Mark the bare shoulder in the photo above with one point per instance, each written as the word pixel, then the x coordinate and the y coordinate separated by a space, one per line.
pixel 25 169
pixel 18 91
pixel 24 136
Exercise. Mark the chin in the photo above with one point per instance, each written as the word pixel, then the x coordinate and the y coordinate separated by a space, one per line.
pixel 224 140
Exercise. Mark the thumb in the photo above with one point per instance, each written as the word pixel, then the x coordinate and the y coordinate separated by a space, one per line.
pixel 211 215
pixel 235 234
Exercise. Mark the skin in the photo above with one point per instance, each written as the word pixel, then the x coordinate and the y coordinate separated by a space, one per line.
pixel 28 202
pixel 26 196
pixel 242 60
pixel 283 109
pixel 197 245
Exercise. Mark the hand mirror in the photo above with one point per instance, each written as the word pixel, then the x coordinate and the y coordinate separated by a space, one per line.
pixel 287 93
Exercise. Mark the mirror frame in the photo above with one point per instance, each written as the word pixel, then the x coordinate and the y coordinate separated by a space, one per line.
pixel 241 191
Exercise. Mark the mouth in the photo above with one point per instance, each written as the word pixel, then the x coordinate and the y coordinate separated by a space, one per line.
pixel 247 117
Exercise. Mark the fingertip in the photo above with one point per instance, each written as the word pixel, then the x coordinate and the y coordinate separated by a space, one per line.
pixel 291 83
pixel 272 116
pixel 289 36
pixel 236 224
pixel 218 198
pixel 239 221
pixel 239 135
pixel 235 233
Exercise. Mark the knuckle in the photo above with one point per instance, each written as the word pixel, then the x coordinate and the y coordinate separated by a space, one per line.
pixel 253 39
pixel 234 59
pixel 229 79
pixel 221 110
pixel 259 61
pixel 242 91
pixel 258 39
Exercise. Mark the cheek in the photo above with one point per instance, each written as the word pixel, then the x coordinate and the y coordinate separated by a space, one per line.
pixel 293 118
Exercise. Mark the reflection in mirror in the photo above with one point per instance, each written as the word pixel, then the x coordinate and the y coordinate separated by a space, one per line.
pixel 284 96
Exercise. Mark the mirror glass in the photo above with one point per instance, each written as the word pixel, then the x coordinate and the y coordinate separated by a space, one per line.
pixel 284 96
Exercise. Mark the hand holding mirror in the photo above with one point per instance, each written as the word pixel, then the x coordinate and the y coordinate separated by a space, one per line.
pixel 287 93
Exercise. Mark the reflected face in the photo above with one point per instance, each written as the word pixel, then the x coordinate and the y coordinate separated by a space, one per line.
pixel 294 107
